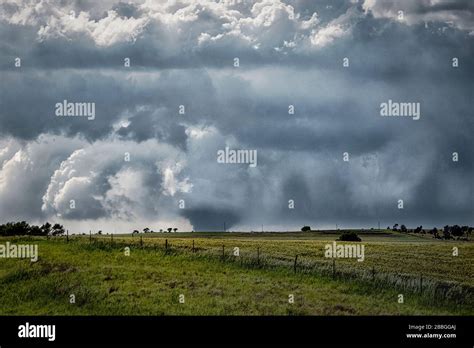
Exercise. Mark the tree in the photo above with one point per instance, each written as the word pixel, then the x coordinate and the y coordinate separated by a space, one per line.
pixel 305 228
pixel 175 229
pixel 446 232
pixel 403 228
pixel 46 228
pixel 35 231
pixel 146 230
pixel 100 232
pixel 14 229
pixel 456 231
pixel 58 230
pixel 161 230
pixel 169 229
pixel 394 228
pixel 135 232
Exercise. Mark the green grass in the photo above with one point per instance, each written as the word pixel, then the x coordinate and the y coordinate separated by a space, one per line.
pixel 386 252
pixel 150 280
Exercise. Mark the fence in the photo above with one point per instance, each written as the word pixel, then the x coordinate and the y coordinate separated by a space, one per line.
pixel 428 287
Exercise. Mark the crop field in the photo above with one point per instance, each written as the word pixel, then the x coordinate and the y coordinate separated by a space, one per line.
pixel 238 274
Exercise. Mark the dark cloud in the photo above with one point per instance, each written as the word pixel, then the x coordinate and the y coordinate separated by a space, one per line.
pixel 211 218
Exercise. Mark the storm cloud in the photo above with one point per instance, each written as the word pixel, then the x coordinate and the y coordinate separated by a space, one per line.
pixel 301 82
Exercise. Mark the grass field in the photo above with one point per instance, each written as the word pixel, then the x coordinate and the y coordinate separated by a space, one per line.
pixel 259 281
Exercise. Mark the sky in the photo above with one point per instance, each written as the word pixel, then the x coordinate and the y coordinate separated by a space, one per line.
pixel 300 83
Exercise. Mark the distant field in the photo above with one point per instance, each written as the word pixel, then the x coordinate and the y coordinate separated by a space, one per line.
pixel 385 251
pixel 257 282
pixel 371 235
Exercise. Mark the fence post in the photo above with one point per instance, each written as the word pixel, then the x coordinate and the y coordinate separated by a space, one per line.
pixel 373 273
pixel 193 245
pixel 296 260
pixel 166 244
pixel 141 241
pixel 90 236
pixel 67 236
pixel 333 268
pixel 258 255
pixel 223 252
pixel 421 283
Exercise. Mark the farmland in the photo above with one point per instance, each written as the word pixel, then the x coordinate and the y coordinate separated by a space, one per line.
pixel 238 274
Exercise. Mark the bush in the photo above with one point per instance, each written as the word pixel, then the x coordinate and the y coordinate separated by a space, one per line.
pixel 305 228
pixel 349 237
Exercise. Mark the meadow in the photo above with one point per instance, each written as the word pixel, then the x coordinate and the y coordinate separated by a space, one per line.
pixel 238 274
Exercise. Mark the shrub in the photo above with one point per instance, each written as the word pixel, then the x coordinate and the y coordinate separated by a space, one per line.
pixel 305 228
pixel 349 237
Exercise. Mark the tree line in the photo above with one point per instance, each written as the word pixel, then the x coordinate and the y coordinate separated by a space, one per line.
pixel 23 228
pixel 147 230
pixel 447 232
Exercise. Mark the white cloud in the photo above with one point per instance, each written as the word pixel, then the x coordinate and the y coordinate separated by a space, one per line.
pixel 337 28
pixel 327 35
pixel 171 185
pixel 24 170
pixel 101 181
pixel 265 23
pixel 107 31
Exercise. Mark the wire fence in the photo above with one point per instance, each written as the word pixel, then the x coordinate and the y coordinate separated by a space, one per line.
pixel 434 289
